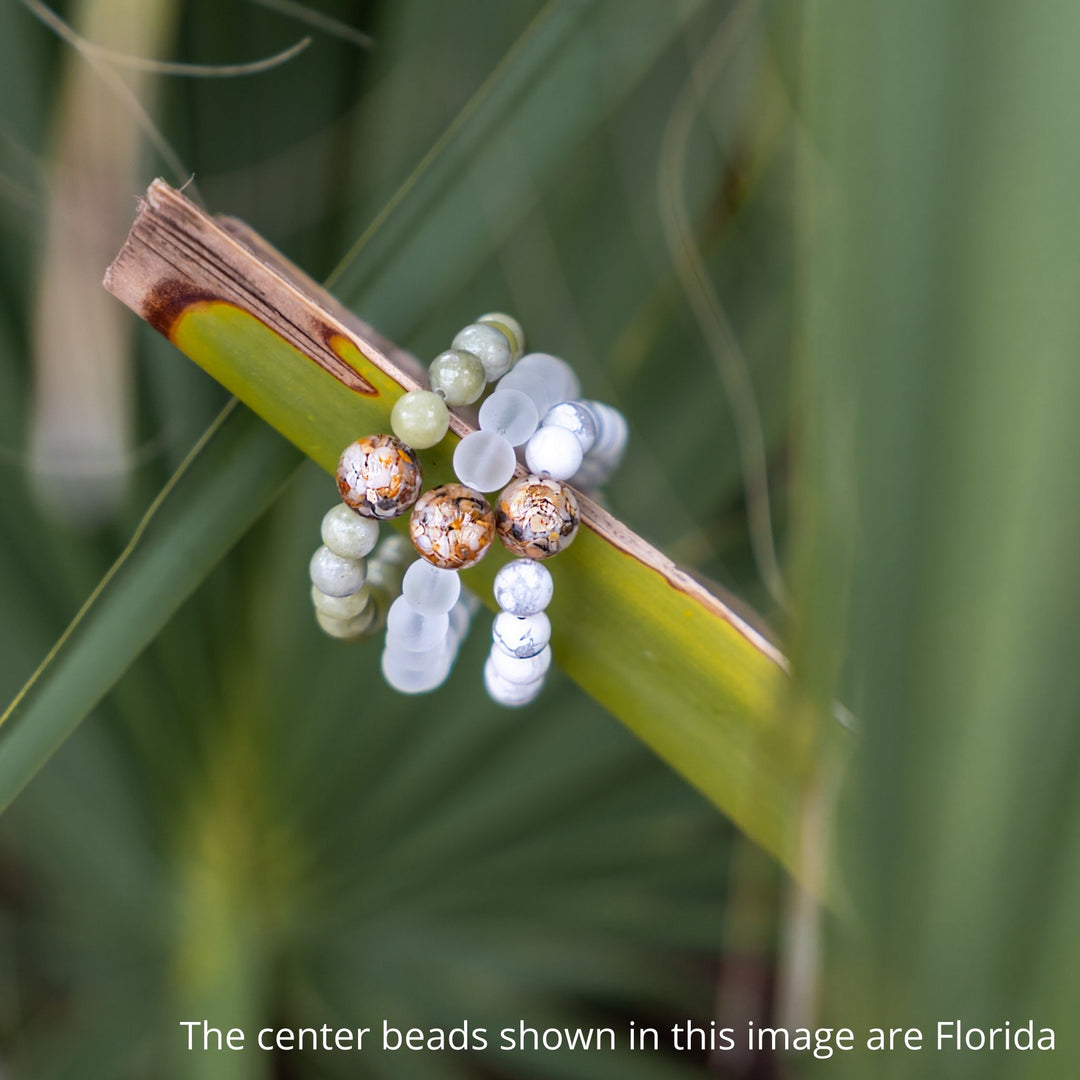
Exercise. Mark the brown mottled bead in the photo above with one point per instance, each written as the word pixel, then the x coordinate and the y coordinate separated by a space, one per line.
pixel 537 517
pixel 452 526
pixel 379 476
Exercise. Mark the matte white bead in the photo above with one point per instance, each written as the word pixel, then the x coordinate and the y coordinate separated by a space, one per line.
pixel 485 461
pixel 334 575
pixel 611 431
pixel 524 587
pixel 521 636
pixel 576 418
pixel 511 414
pixel 460 617
pixel 521 669
pixel 504 692
pixel 488 343
pixel 348 534
pixel 533 385
pixel 346 629
pixel 409 630
pixel 555 451
pixel 562 383
pixel 342 607
pixel 429 589
pixel 404 675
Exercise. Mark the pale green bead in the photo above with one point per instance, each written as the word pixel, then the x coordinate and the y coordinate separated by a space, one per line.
pixel 419 419
pixel 342 607
pixel 510 327
pixel 458 375
pixel 346 629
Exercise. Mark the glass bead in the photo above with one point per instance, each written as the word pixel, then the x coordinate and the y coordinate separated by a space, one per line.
pixel 458 375
pixel 511 414
pixel 334 575
pixel 521 636
pixel 412 631
pixel 346 629
pixel 531 384
pixel 537 517
pixel 343 607
pixel 562 383
pixel 379 476
pixel 489 344
pixel 504 692
pixel 555 451
pixel 484 460
pixel 510 327
pixel 521 669
pixel 611 432
pixel 460 617
pixel 430 590
pixel 404 676
pixel 419 419
pixel 452 526
pixel 523 587
pixel 347 533
pixel 576 418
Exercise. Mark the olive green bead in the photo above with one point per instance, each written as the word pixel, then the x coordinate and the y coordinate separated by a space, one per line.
pixel 419 419
pixel 510 327
pixel 458 375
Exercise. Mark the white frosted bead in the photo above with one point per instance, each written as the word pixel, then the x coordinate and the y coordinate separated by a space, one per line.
pixel 532 385
pixel 521 669
pixel 460 617
pixel 485 461
pixel 524 587
pixel 334 575
pixel 521 636
pixel 407 629
pixel 505 692
pixel 429 589
pixel 407 677
pixel 346 629
pixel 611 432
pixel 555 451
pixel 342 607
pixel 576 418
pixel 559 376
pixel 347 533
pixel 511 414
pixel 489 344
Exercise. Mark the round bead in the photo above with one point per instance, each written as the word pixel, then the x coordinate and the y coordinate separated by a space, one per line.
pixel 521 669
pixel 562 383
pixel 334 575
pixel 537 517
pixel 504 692
pixel 342 607
pixel 521 636
pixel 489 344
pixel 510 327
pixel 511 414
pixel 532 384
pixel 460 617
pixel 379 476
pixel 484 460
pixel 411 630
pixel 419 419
pixel 395 550
pixel 611 432
pixel 346 629
pixel 347 533
pixel 555 451
pixel 406 677
pixel 452 526
pixel 576 418
pixel 429 590
pixel 458 375
pixel 523 587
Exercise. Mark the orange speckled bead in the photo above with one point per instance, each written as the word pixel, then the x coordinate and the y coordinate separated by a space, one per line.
pixel 379 476
pixel 452 526
pixel 536 517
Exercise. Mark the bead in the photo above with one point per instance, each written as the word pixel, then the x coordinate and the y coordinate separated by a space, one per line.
pixel 334 575
pixel 409 679
pixel 346 629
pixel 347 533
pixel 562 383
pixel 395 550
pixel 536 517
pixel 521 636
pixel 611 431
pixel 379 476
pixel 484 460
pixel 507 693
pixel 523 587
pixel 521 669
pixel 460 617
pixel 511 414
pixel 510 327
pixel 409 629
pixel 576 418
pixel 532 384
pixel 555 451
pixel 429 590
pixel 458 376
pixel 419 419
pixel 452 526
pixel 489 344
pixel 342 607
